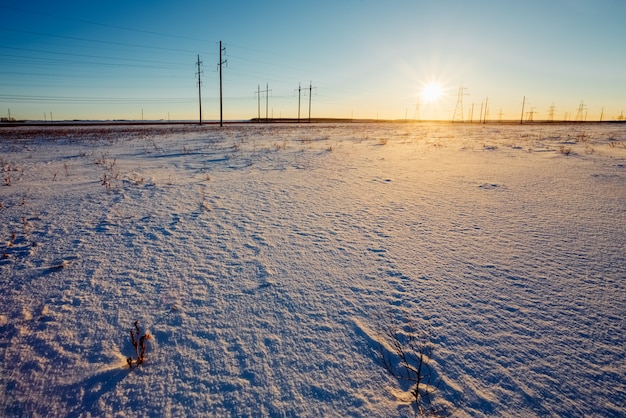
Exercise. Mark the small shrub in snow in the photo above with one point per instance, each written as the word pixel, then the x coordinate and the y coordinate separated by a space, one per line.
pixel 139 344
pixel 405 354
pixel 106 182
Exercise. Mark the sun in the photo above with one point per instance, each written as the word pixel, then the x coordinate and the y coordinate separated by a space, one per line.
pixel 431 92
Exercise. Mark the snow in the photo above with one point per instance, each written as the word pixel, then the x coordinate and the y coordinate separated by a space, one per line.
pixel 265 260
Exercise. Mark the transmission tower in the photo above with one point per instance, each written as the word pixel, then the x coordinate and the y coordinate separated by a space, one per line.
pixel 579 113
pixel 458 109
pixel 417 116
pixel 551 113
pixel 199 90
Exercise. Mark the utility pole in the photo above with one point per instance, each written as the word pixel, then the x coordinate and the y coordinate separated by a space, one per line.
pixel 486 108
pixel 310 94
pixel 222 62
pixel 299 94
pixel 602 114
pixel 199 91
pixel 521 120
pixel 258 92
pixel 267 100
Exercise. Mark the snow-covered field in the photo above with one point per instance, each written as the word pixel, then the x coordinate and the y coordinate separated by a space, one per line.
pixel 265 259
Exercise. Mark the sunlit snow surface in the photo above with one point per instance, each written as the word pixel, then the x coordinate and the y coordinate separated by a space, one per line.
pixel 264 260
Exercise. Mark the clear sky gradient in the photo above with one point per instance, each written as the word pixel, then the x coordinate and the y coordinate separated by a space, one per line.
pixel 365 58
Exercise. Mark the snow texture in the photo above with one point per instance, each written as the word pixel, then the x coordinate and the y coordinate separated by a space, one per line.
pixel 266 259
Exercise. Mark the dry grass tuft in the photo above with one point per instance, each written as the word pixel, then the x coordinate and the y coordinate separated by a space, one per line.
pixel 139 344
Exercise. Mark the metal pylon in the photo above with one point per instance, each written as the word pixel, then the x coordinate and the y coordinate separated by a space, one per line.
pixel 458 109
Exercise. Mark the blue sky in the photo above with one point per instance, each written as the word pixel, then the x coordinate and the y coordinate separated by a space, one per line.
pixel 366 59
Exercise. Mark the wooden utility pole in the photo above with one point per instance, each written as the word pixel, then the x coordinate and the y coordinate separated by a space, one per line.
pixel 199 92
pixel 299 95
pixel 258 92
pixel 267 100
pixel 521 120
pixel 486 109
pixel 221 63
pixel 310 94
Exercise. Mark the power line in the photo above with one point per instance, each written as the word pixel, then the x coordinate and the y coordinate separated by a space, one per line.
pixel 102 24
pixel 98 100
pixel 74 38
pixel 90 56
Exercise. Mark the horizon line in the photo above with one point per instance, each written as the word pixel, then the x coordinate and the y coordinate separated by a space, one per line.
pixel 85 122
